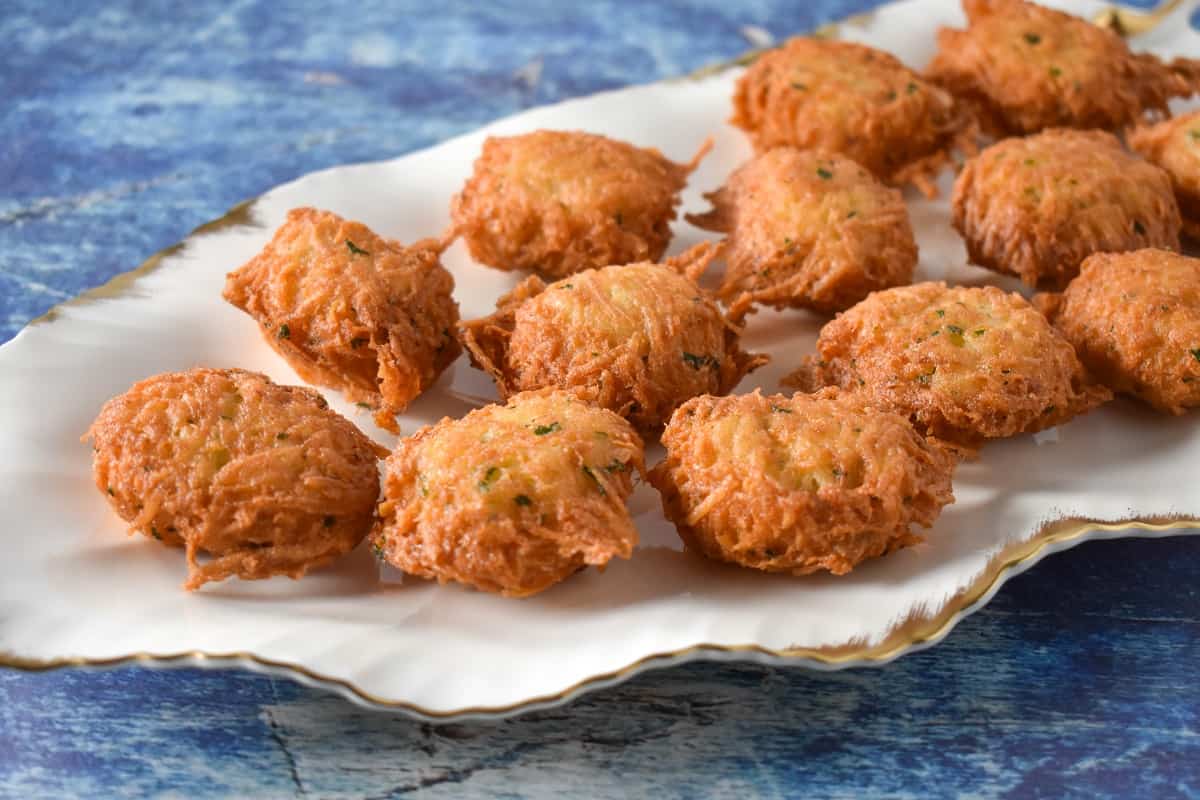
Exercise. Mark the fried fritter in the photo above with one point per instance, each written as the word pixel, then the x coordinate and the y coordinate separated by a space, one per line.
pixel 798 484
pixel 352 310
pixel 638 339
pixel 963 364
pixel 1024 68
pixel 1035 207
pixel 558 202
pixel 1134 319
pixel 809 229
pixel 851 99
pixel 264 478
pixel 1174 145
pixel 511 499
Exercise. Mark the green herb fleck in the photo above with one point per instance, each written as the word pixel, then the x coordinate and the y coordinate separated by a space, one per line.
pixel 769 553
pixel 154 532
pixel 940 312
pixel 696 362
pixel 329 521
pixel 979 331
pixel 367 406
pixel 798 85
pixel 616 466
pixel 542 430
pixel 619 219
pixel 1195 353
pixel 284 331
pixel 1032 38
pixel 824 174
pixel 912 88
pixel 1138 228
pixel 377 549
pixel 1195 134
pixel 281 436
pixel 780 409
pixel 954 329
pixel 588 471
pixel 357 342
pixel 489 477
pixel 523 500
pixel 1055 72
pixel 355 249
pixel 837 472
pixel 852 215
pixel 567 286
pixel 1049 410
pixel 111 493
pixel 927 377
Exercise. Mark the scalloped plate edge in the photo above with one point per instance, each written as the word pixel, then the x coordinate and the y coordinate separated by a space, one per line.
pixel 911 636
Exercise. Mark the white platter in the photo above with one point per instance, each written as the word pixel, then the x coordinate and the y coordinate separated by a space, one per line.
pixel 74 590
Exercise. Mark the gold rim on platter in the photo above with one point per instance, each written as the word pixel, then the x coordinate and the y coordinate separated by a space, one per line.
pixel 914 633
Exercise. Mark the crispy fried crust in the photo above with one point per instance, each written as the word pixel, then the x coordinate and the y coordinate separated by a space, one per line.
pixel 1024 68
pixel 262 477
pixel 1134 319
pixel 798 484
pixel 1035 207
pixel 558 202
pixel 963 364
pixel 511 499
pixel 1174 145
pixel 352 310
pixel 809 229
pixel 851 99
pixel 637 339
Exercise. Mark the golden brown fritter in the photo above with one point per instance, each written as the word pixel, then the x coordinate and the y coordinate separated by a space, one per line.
pixel 264 478
pixel 1134 319
pixel 558 202
pixel 352 310
pixel 809 229
pixel 511 499
pixel 1035 207
pixel 1024 68
pixel 798 484
pixel 1174 145
pixel 963 364
pixel 851 99
pixel 638 339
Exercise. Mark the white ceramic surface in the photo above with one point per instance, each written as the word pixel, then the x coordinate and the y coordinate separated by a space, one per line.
pixel 75 589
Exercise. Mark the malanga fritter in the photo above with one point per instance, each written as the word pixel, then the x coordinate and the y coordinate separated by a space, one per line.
pixel 1134 319
pixel 809 229
pixel 638 339
pixel 1174 145
pixel 1035 207
pixel 964 364
pixel 1024 68
pixel 511 499
pixel 851 99
pixel 352 310
pixel 798 484
pixel 263 478
pixel 558 202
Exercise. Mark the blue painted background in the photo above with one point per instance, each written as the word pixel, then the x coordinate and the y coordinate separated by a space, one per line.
pixel 126 125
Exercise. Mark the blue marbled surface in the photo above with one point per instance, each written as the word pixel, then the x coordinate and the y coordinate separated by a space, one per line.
pixel 124 126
